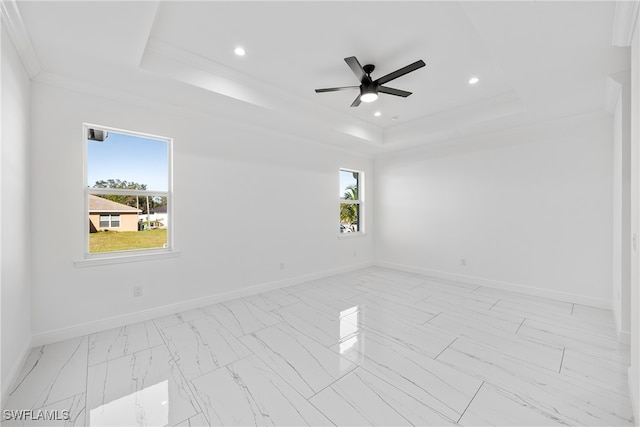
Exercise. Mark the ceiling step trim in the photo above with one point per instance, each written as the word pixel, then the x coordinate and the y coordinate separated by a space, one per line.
pixel 12 21
pixel 170 106
pixel 187 67
pixel 520 133
pixel 454 122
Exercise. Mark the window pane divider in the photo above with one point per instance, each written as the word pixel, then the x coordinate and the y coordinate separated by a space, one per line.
pixel 126 192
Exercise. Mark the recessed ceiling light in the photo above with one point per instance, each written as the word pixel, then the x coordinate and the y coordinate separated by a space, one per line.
pixel 239 51
pixel 377 114
pixel 473 80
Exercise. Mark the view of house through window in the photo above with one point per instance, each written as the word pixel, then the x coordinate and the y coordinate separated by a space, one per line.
pixel 128 199
pixel 350 201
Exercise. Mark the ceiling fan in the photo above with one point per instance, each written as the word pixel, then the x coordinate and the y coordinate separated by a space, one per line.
pixel 370 88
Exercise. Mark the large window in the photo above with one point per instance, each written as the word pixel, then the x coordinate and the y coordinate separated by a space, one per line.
pixel 351 201
pixel 127 190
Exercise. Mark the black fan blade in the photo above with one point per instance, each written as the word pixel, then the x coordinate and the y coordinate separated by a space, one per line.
pixel 401 72
pixel 357 69
pixel 392 91
pixel 356 101
pixel 335 89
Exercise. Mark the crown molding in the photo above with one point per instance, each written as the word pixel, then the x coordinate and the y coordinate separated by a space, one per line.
pixel 624 22
pixel 454 122
pixel 12 21
pixel 518 133
pixel 224 112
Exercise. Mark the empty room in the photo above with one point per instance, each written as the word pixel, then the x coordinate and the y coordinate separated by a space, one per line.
pixel 319 213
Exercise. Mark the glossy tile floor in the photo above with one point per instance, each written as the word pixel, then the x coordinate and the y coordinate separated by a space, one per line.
pixel 372 347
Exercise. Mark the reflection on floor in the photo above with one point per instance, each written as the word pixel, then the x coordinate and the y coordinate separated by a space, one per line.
pixel 372 347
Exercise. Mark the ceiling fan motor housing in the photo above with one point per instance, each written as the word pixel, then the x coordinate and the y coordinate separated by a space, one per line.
pixel 369 69
pixel 368 88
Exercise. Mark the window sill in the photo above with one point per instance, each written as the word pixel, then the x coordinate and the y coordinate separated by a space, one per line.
pixel 350 235
pixel 121 258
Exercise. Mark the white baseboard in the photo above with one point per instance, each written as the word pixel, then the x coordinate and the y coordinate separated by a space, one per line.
pixel 633 394
pixel 62 334
pixel 514 287
pixel 9 381
pixel 624 337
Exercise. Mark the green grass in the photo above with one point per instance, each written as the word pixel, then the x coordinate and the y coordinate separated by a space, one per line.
pixel 112 241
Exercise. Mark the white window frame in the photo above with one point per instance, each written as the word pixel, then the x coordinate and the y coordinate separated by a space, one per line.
pixel 359 202
pixel 133 255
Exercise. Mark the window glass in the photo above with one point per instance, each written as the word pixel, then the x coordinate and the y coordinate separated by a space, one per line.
pixel 127 190
pixel 349 184
pixel 349 215
pixel 350 201
pixel 127 161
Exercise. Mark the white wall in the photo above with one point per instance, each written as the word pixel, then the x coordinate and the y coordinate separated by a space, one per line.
pixel 618 235
pixel 622 205
pixel 528 210
pixel 14 214
pixel 244 201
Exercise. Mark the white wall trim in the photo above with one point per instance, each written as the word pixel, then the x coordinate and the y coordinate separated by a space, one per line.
pixel 472 139
pixel 9 382
pixel 611 94
pixel 49 337
pixel 139 100
pixel 624 22
pixel 16 29
pixel 122 258
pixel 634 395
pixel 624 337
pixel 513 287
pixel 445 125
pixel 196 70
pixel 613 89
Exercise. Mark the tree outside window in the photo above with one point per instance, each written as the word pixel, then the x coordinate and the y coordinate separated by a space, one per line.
pixel 350 202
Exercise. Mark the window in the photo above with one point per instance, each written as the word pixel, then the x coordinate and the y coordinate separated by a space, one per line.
pixel 127 191
pixel 109 221
pixel 351 214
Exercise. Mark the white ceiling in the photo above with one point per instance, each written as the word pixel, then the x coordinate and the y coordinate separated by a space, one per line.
pixel 536 61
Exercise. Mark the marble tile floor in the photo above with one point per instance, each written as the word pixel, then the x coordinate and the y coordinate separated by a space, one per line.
pixel 371 347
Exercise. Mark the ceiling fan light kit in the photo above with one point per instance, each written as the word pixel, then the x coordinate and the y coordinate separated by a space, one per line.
pixel 369 88
pixel 369 94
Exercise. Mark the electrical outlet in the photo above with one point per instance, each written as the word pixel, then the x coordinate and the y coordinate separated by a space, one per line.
pixel 137 291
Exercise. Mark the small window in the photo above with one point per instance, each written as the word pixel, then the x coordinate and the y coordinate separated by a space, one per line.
pixel 109 221
pixel 351 214
pixel 128 197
